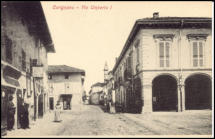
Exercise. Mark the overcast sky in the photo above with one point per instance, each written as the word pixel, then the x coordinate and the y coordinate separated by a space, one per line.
pixel 86 38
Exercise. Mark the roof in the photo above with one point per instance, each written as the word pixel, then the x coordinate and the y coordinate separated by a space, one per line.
pixel 64 69
pixel 164 23
pixel 98 84
pixel 34 17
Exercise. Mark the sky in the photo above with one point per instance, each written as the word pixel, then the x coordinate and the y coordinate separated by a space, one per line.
pixel 87 37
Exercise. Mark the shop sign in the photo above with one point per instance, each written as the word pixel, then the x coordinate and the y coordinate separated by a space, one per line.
pixel 37 72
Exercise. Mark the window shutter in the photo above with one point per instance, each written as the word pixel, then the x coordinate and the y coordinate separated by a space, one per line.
pixel 195 54
pixel 23 60
pixel 161 51
pixel 167 50
pixel 200 49
pixel 195 50
pixel 8 46
pixel 167 54
pixel 200 54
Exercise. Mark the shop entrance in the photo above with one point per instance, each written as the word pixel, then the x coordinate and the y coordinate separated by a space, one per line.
pixel 66 99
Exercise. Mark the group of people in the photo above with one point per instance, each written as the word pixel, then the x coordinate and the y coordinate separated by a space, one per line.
pixel 22 114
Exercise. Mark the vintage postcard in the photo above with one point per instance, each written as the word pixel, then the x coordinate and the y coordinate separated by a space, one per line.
pixel 107 69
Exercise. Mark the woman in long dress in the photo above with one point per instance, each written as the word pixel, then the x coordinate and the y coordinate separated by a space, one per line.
pixel 57 112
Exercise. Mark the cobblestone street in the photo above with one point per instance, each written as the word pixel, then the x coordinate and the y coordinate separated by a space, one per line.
pixel 89 120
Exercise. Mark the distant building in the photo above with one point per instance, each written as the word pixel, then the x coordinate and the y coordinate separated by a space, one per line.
pixel 25 42
pixel 96 94
pixel 166 65
pixel 66 85
pixel 95 98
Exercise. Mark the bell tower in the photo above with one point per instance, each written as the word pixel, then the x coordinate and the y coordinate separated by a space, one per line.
pixel 105 72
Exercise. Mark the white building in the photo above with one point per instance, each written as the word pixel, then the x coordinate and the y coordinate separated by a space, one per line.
pixel 168 62
pixel 66 84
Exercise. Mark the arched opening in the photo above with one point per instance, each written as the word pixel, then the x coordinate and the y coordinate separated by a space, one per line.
pixel 198 92
pixel 164 93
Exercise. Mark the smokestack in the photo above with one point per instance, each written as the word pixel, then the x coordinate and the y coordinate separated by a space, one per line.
pixel 155 14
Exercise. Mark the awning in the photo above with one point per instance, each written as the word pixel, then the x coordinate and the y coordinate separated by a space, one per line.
pixel 11 81
pixel 10 71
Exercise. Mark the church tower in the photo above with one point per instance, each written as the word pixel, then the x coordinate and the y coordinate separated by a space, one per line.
pixel 105 72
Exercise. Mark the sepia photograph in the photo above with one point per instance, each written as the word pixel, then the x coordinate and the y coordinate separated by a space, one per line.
pixel 74 69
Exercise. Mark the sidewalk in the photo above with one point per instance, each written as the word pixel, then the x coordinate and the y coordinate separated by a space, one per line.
pixel 35 127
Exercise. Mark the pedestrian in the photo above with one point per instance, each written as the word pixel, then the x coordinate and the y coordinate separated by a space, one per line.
pixel 25 116
pixel 10 114
pixel 57 117
pixel 21 114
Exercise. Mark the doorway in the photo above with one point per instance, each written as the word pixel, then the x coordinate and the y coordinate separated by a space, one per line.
pixel 66 99
pixel 198 94
pixel 164 93
pixel 51 103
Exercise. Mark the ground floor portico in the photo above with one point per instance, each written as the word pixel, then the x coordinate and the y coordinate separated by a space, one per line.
pixel 176 90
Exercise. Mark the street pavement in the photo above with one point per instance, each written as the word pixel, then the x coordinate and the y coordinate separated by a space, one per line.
pixel 90 120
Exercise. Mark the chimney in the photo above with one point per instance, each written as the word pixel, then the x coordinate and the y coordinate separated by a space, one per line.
pixel 155 14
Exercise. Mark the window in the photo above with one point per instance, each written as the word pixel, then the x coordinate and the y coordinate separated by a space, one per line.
pixel 66 76
pixel 8 48
pixel 164 42
pixel 197 53
pixel 129 63
pixel 23 60
pixel 137 51
pixel 164 51
pixel 50 77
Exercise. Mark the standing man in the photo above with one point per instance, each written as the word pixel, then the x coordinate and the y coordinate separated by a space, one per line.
pixel 26 115
pixel 10 114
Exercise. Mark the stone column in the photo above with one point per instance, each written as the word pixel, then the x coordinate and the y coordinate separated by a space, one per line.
pixel 147 98
pixel 183 97
pixel 179 94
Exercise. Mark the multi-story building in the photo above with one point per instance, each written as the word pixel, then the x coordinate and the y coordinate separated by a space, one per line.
pixel 25 42
pixel 166 65
pixel 66 84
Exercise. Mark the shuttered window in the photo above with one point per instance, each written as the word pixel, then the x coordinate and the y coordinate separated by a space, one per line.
pixel 197 54
pixel 137 46
pixel 23 60
pixel 164 53
pixel 8 48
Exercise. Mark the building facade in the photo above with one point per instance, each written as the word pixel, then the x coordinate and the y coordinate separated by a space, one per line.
pixel 25 42
pixel 166 65
pixel 96 94
pixel 66 84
